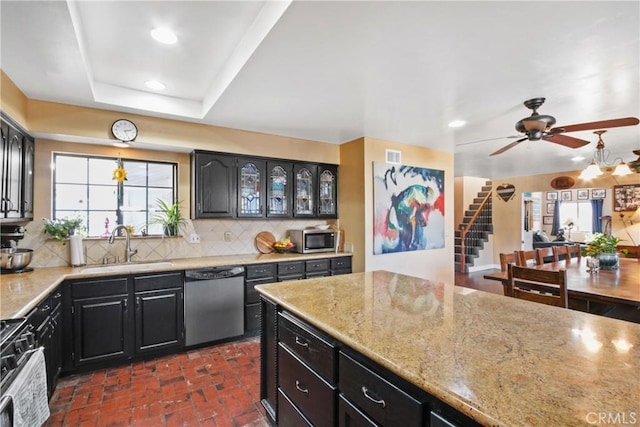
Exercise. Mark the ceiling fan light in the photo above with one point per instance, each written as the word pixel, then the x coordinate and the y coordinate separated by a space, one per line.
pixel 534 125
pixel 590 171
pixel 622 169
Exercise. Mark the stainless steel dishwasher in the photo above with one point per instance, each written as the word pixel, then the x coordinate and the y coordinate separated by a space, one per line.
pixel 213 304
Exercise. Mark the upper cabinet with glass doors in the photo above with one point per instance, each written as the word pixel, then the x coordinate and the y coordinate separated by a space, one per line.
pixel 251 178
pixel 327 191
pixel 279 189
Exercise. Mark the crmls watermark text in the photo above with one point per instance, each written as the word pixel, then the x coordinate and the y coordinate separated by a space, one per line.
pixel 612 418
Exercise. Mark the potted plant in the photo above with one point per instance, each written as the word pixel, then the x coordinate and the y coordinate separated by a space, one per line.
pixel 604 247
pixel 169 216
pixel 62 228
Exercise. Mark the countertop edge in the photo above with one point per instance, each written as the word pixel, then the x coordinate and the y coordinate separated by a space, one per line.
pixel 48 278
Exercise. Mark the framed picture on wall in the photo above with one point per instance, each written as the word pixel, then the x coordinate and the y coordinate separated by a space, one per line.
pixel 551 208
pixel 552 195
pixel 626 197
pixel 566 195
pixel 582 194
pixel 598 193
pixel 547 220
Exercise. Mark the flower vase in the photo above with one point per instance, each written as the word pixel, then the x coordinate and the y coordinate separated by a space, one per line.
pixel 609 260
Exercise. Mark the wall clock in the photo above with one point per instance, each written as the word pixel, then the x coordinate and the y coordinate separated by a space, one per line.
pixel 124 130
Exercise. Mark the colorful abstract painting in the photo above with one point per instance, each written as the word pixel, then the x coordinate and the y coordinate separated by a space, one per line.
pixel 408 208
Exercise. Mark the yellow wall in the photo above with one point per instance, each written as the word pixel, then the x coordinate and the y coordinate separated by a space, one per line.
pixel 507 216
pixel 12 100
pixel 433 264
pixel 351 202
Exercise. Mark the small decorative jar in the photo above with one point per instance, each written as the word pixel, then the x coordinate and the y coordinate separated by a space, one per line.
pixel 609 260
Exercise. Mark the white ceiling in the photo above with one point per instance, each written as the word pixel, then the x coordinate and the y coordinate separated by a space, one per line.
pixel 334 71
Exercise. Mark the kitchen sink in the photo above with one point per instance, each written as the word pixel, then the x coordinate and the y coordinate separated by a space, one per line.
pixel 127 267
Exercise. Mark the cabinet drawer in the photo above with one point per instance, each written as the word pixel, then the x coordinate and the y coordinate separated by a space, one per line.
pixel 317 265
pixel 156 282
pixel 290 268
pixel 309 345
pixel 315 398
pixel 260 271
pixel 288 414
pixel 100 287
pixel 342 263
pixel 350 416
pixel 385 403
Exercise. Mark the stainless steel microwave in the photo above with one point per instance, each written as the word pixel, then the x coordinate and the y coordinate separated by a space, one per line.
pixel 312 240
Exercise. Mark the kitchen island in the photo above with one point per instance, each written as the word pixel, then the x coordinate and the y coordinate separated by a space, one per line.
pixel 493 359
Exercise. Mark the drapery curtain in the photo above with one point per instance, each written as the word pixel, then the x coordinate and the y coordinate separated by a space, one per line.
pixel 528 215
pixel 596 215
pixel 556 218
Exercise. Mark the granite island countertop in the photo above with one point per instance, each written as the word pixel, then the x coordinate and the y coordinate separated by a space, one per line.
pixel 21 292
pixel 499 360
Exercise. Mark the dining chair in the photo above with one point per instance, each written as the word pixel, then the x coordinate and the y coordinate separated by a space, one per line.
pixel 507 258
pixel 526 258
pixel 543 286
pixel 575 251
pixel 542 253
pixel 561 253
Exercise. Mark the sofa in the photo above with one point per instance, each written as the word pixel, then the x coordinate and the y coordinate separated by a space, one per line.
pixel 541 240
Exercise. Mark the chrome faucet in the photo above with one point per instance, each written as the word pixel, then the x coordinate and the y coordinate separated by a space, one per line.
pixel 128 252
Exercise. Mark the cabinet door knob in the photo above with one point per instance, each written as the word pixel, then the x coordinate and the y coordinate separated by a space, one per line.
pixel 380 402
pixel 300 388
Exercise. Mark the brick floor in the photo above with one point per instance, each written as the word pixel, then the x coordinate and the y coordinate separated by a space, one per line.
pixel 212 386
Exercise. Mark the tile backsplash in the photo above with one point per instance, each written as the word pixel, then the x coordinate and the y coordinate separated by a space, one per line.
pixel 54 253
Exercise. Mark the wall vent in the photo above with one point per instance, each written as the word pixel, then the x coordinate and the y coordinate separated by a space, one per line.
pixel 393 156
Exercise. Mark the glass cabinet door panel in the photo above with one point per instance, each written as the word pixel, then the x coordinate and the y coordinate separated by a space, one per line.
pixel 277 200
pixel 327 193
pixel 250 188
pixel 304 192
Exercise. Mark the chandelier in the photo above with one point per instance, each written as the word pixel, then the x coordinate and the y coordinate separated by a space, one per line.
pixel 600 160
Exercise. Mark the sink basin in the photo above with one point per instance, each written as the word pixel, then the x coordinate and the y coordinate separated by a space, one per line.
pixel 127 267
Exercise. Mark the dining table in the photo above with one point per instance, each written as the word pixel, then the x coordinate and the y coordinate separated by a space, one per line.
pixel 594 292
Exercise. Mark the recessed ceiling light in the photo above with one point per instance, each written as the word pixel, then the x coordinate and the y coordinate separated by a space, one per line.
pixel 577 159
pixel 457 123
pixel 154 84
pixel 164 35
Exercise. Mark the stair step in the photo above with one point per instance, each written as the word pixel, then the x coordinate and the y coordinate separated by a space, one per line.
pixel 486 188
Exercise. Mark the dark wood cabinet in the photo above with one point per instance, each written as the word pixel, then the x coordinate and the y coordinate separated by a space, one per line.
pixel 17 173
pixel 305 184
pixel 279 189
pixel 327 191
pixel 213 185
pixel 102 329
pixel 159 313
pixel 122 317
pixel 269 358
pixel 235 186
pixel 46 321
pixel 251 184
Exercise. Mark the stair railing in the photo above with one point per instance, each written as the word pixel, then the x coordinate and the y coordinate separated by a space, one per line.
pixel 470 227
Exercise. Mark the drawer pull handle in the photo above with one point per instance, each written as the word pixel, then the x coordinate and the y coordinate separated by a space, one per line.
pixel 300 389
pixel 301 343
pixel 381 402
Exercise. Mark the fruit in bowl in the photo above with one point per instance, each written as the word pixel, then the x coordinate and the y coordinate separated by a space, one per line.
pixel 283 246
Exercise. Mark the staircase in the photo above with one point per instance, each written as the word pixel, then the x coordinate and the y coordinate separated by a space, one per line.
pixel 475 229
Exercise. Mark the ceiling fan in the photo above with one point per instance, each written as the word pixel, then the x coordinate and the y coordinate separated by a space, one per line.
pixel 539 127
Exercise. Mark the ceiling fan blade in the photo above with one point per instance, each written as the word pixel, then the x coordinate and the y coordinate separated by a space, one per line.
pixel 488 139
pixel 507 147
pixel 604 124
pixel 567 141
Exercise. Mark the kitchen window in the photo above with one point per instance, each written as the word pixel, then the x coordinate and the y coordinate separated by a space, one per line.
pixel 83 186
